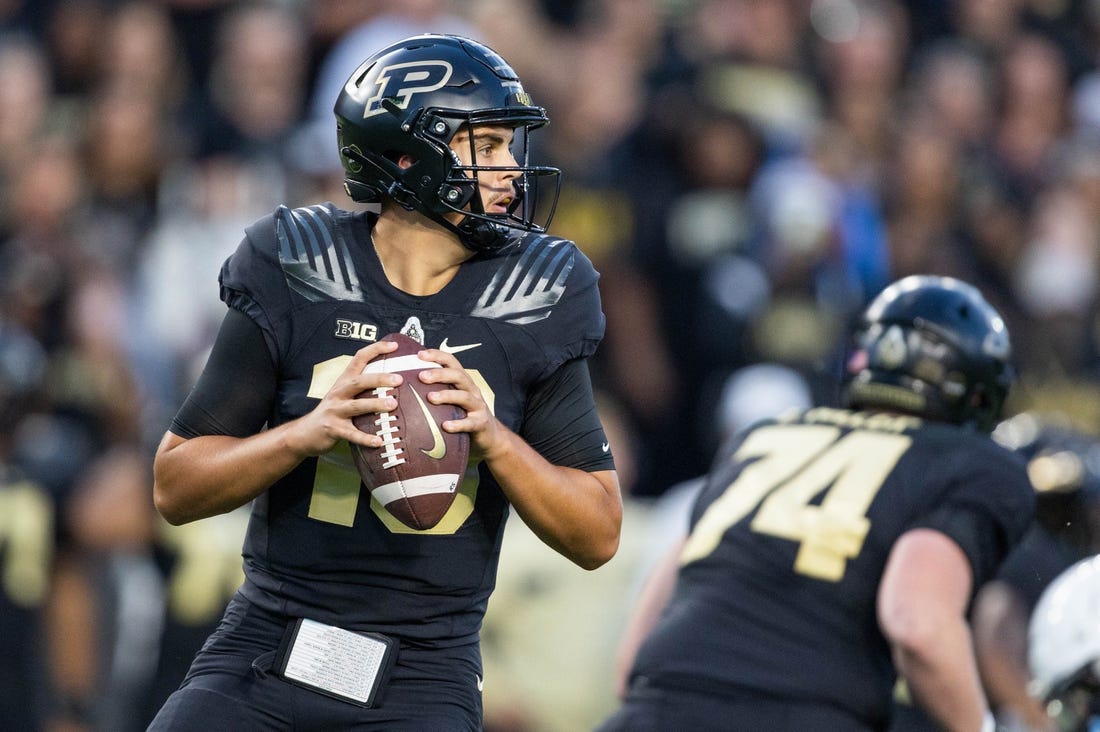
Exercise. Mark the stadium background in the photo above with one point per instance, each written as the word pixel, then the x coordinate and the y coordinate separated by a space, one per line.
pixel 745 174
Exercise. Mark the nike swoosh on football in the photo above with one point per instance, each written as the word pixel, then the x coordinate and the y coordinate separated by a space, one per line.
pixel 447 348
pixel 439 448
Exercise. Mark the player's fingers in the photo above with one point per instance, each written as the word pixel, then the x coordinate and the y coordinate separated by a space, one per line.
pixel 476 411
pixel 370 404
pixel 451 378
pixel 447 360
pixel 468 399
pixel 361 437
pixel 360 419
pixel 357 378
pixel 367 354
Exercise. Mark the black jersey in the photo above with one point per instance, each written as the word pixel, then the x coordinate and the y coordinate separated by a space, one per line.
pixel 790 536
pixel 317 545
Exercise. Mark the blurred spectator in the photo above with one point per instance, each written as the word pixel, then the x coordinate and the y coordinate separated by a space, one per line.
pixel 990 24
pixel 142 53
pixel 1033 109
pixel 862 48
pixel 73 34
pixel 1056 281
pixel 951 83
pixel 40 251
pixel 254 96
pixel 126 148
pixel 25 102
pixel 922 200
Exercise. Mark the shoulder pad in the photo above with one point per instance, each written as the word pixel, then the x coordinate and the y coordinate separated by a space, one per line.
pixel 314 255
pixel 530 279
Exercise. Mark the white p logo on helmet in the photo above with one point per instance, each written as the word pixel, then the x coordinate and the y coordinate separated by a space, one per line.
pixel 399 83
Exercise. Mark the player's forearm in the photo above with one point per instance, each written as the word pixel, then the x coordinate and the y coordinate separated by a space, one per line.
pixel 214 474
pixel 578 514
pixel 1006 682
pixel 940 671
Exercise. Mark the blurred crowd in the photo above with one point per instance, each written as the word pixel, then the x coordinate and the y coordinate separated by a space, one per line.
pixel 745 174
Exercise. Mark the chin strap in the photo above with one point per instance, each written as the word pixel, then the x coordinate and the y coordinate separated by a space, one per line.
pixel 485 236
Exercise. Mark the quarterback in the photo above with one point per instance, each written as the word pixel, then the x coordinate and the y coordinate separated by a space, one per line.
pixel 348 618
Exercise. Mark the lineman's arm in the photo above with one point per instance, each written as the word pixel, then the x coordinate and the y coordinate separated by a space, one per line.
pixel 922 603
pixel 652 600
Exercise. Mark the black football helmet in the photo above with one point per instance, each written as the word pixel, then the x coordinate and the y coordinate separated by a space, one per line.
pixel 933 347
pixel 411 98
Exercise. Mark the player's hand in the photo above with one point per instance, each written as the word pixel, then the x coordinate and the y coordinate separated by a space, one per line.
pixel 484 429
pixel 330 421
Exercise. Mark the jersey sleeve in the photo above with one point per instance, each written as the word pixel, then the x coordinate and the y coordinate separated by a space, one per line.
pixel 574 326
pixel 252 281
pixel 235 393
pixel 987 509
pixel 562 423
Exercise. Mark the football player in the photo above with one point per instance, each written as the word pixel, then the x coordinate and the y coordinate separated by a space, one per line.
pixel 835 550
pixel 1064 648
pixel 347 618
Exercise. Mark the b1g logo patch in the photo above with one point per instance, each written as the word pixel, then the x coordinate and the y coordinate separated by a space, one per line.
pixel 399 83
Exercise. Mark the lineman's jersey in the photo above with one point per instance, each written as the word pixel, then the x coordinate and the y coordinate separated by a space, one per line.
pixel 790 536
pixel 317 545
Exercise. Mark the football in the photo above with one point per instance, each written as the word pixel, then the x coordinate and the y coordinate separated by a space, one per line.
pixel 416 472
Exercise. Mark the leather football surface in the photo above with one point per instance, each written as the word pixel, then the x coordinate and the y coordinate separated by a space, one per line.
pixel 416 472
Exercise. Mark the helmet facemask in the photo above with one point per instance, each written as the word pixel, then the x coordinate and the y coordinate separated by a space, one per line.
pixel 531 207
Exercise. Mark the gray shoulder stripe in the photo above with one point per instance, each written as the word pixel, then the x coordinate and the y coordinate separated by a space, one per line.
pixel 314 257
pixel 527 290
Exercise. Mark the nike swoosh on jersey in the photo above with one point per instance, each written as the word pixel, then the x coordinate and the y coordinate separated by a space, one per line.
pixel 439 448
pixel 447 348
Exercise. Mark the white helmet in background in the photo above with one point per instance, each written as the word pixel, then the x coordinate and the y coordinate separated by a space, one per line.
pixel 1064 647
